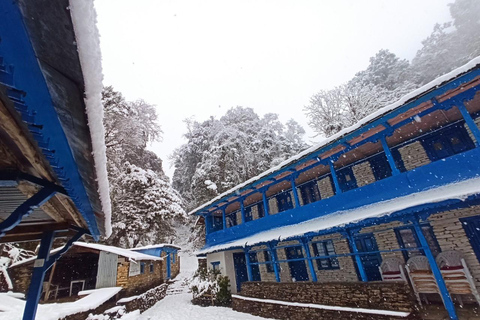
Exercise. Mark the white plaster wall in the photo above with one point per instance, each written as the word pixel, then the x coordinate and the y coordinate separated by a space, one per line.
pixel 226 266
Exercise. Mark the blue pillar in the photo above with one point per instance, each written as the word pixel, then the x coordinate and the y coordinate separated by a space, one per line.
pixel 338 190
pixel 208 223
pixel 447 299
pixel 273 255
pixel 306 247
pixel 295 193
pixel 224 219
pixel 265 202
pixel 38 275
pixel 249 266
pixel 389 155
pixel 242 210
pixel 358 259
pixel 469 121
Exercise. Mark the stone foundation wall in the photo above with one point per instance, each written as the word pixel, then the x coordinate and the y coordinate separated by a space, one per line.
pixel 146 300
pixel 383 296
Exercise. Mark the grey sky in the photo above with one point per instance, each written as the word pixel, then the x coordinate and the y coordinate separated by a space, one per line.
pixel 200 58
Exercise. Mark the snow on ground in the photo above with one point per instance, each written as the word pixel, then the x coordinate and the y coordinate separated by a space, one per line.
pixel 177 304
pixel 11 307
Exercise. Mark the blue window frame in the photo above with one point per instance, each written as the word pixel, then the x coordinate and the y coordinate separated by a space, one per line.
pixel 325 249
pixel 284 200
pixel 215 265
pixel 268 259
pixel 407 238
pixel 248 211
pixel 309 192
pixel 151 267
pixel 231 219
pixel 217 223
pixel 254 266
pixel 446 142
pixel 346 179
pixel 142 267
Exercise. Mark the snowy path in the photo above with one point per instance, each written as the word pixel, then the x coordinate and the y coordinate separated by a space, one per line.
pixel 177 304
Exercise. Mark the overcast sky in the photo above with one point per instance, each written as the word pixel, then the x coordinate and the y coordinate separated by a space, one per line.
pixel 200 58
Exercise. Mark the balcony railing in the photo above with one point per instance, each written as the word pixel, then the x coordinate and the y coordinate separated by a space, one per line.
pixel 455 168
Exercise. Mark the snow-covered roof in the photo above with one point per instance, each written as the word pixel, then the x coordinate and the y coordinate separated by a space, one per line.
pixel 160 245
pixel 84 20
pixel 459 190
pixel 131 255
pixel 373 116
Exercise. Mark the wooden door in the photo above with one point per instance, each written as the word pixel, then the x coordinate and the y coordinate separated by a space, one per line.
pixel 107 270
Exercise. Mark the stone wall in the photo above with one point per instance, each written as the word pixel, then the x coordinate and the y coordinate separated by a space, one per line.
pixel 175 267
pixel 386 238
pixel 477 122
pixel 146 300
pixel 413 155
pixel 383 296
pixel 264 274
pixel 346 271
pixel 325 187
pixel 139 283
pixel 363 173
pixel 272 206
pixel 451 235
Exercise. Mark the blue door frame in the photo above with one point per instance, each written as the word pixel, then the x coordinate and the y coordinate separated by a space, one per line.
pixel 370 262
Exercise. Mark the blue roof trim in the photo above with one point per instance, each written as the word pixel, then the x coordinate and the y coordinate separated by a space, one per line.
pixel 35 105
pixel 427 96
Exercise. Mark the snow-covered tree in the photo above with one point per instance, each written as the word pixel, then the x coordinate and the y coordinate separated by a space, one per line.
pixel 145 207
pixel 451 44
pixel 219 154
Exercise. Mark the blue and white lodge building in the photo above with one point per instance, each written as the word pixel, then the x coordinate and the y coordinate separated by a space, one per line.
pixel 402 182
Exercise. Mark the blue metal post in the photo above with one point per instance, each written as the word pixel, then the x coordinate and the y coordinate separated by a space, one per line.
pixel 306 247
pixel 249 266
pixel 358 259
pixel 389 155
pixel 295 193
pixel 469 121
pixel 265 202
pixel 224 219
pixel 447 299
pixel 273 255
pixel 242 210
pixel 338 190
pixel 38 275
pixel 25 209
